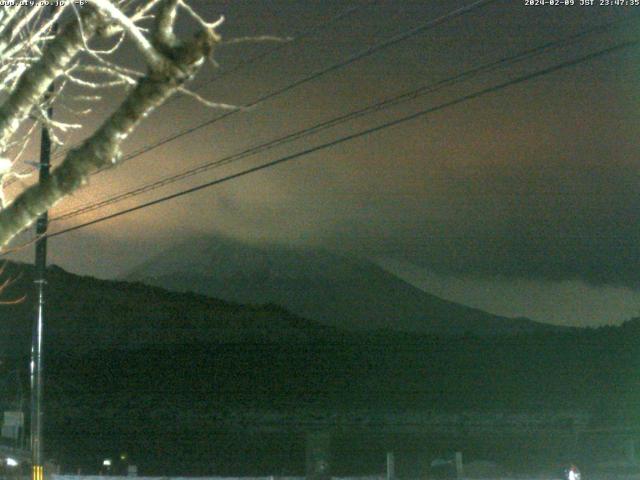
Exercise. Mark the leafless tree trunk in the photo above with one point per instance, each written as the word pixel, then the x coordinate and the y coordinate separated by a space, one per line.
pixel 34 56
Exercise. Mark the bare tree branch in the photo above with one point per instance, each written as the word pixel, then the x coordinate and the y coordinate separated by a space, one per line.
pixel 171 64
pixel 35 81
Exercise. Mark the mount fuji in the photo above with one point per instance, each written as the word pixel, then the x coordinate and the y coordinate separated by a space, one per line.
pixel 333 289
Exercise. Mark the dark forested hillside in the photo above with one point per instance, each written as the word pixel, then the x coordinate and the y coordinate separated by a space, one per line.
pixel 194 389
pixel 135 367
pixel 85 313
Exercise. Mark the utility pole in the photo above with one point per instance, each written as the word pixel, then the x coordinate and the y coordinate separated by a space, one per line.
pixel 37 461
pixel 391 466
pixel 37 337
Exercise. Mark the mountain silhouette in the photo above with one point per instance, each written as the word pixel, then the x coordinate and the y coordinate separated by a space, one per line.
pixel 83 313
pixel 329 288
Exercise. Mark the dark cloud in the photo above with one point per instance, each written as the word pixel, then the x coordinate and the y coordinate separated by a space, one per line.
pixel 549 190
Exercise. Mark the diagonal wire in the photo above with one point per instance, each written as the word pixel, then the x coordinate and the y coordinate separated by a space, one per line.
pixel 387 103
pixel 314 76
pixel 384 104
pixel 299 36
pixel 362 133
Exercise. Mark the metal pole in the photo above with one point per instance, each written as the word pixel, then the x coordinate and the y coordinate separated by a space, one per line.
pixel 38 326
pixel 459 465
pixel 391 466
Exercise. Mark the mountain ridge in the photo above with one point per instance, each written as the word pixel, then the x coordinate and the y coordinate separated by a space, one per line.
pixel 330 288
pixel 83 313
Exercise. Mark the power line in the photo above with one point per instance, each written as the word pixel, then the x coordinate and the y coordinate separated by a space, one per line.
pixel 299 36
pixel 346 138
pixel 259 57
pixel 314 76
pixel 318 74
pixel 392 101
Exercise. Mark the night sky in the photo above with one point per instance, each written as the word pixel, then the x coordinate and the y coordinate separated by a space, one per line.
pixel 523 202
